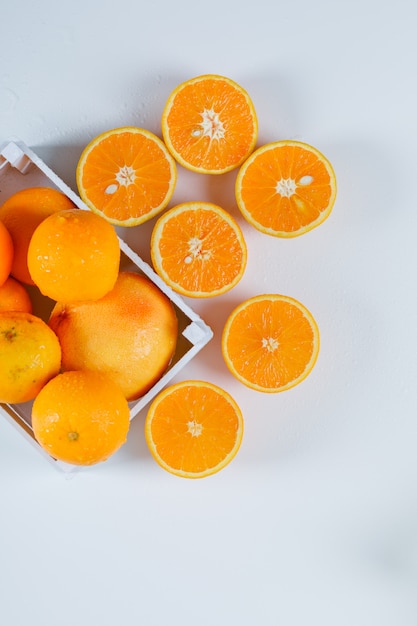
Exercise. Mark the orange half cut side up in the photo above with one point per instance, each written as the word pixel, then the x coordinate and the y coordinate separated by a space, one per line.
pixel 127 175
pixel 286 188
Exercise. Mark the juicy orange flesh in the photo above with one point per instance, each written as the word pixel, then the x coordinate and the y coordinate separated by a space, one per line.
pixel 187 409
pixel 234 112
pixel 215 263
pixel 80 418
pixel 152 176
pixel 276 211
pixel 270 343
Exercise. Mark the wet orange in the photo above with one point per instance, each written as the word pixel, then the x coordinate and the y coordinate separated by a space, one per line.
pixel 22 213
pixel 74 255
pixel 80 418
pixel 130 334
pixel 14 296
pixel 194 429
pixel 270 342
pixel 209 124
pixel 6 253
pixel 198 249
pixel 30 355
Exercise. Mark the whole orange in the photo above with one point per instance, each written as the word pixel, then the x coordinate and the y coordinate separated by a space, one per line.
pixel 22 213
pixel 6 253
pixel 74 255
pixel 130 334
pixel 14 296
pixel 80 417
pixel 30 355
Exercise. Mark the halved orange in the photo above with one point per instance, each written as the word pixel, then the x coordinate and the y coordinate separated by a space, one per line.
pixel 286 188
pixel 193 429
pixel 198 249
pixel 209 124
pixel 127 175
pixel 270 342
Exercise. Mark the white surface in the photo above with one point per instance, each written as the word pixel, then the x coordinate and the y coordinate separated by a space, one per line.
pixel 315 521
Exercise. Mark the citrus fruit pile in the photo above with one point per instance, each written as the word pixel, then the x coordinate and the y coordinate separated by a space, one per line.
pixel 109 336
pixel 126 176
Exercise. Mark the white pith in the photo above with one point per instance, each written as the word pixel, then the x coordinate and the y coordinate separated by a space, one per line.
pixel 194 428
pixel 195 251
pixel 270 344
pixel 126 175
pixel 211 125
pixel 286 187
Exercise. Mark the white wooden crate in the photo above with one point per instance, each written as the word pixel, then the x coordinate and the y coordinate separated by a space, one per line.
pixel 20 168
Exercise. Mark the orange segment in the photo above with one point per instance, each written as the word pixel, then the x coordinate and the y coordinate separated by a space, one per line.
pixel 193 429
pixel 270 342
pixel 198 249
pixel 286 188
pixel 209 124
pixel 127 175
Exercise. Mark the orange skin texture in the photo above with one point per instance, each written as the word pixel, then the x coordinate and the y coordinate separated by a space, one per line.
pixel 6 253
pixel 14 297
pixel 130 334
pixel 74 255
pixel 30 355
pixel 22 213
pixel 80 417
